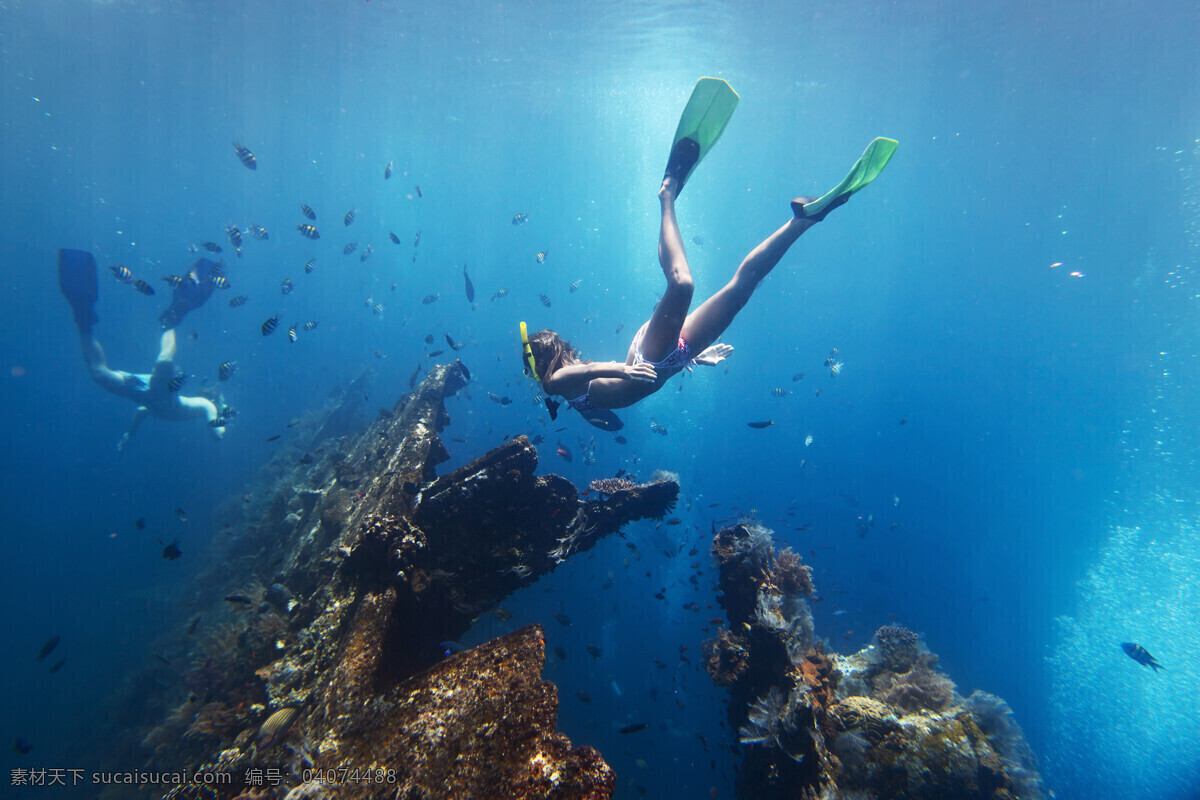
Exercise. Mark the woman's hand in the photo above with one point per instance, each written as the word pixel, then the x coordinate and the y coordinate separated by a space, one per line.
pixel 641 372
pixel 714 355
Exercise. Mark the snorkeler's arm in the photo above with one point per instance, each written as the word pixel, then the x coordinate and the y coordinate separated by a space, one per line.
pixel 560 381
pixel 138 416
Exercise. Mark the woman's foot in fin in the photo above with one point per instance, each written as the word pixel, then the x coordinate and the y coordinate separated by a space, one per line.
pixel 798 207
pixel 684 156
pixel 669 189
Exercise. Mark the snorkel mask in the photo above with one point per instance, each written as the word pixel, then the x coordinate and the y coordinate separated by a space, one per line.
pixel 527 351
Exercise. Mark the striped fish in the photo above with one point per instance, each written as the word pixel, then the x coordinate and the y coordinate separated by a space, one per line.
pixel 275 727
pixel 270 325
pixel 245 156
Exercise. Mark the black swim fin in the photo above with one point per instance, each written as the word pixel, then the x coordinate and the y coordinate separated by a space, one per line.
pixel 191 293
pixel 77 282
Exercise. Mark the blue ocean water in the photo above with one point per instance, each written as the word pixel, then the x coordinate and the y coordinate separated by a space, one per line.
pixel 1042 479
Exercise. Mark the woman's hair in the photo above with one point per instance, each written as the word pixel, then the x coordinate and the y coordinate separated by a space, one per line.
pixel 551 353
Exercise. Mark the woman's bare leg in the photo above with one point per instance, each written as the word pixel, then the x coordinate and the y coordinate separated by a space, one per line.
pixel 662 334
pixel 704 325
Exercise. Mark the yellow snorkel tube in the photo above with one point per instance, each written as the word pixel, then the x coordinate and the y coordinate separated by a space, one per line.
pixel 531 365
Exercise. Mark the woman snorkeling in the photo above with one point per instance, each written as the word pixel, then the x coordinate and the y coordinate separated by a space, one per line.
pixel 674 339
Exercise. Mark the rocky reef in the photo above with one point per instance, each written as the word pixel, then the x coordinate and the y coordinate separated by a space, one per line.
pixel 323 671
pixel 881 723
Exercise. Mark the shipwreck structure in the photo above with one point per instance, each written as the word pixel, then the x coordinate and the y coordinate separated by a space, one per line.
pixel 348 576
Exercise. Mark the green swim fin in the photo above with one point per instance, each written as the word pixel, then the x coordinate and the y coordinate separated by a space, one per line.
pixel 865 170
pixel 704 119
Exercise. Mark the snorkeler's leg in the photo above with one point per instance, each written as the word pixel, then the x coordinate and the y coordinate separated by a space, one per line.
pixel 139 414
pixel 704 325
pixel 662 334
pixel 164 367
pixel 97 364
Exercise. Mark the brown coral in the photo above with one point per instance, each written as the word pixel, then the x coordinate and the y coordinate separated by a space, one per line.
pixel 726 657
pixel 898 647
pixel 789 574
pixel 214 721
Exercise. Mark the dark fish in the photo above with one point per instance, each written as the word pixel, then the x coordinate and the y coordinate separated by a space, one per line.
pixel 594 651
pixel 779 392
pixel 1138 654
pixel 634 728
pixel 349 218
pixel 172 551
pixel 192 625
pixel 429 338
pixel 140 523
pixel 365 254
pixel 172 280
pixel 122 273
pixel 387 171
pixel 541 257
pixel 270 325
pixel 519 219
pixel 234 234
pixel 417 189
pixel 226 370
pixel 470 286
pixel 562 619
pixel 417 240
pixel 211 247
pixel 307 458
pixel 430 298
pixel 239 599
pixel 562 654
pixel 395 239
pixel 575 285
pixel 259 233
pixel 620 327
pixel 584 697
pixel 620 440
pixel 292 335
pixel 766 424
pixel 799 376
pixel 500 293
pixel 308 212
pixel 310 266
pixel 904 420
pixel 245 156
pixel 220 281
pixel 271 438
pixel 545 300
pixel 564 452
pixel 412 379
pixel 57 666
pixel 502 614
pixel 21 747
pixel 552 408
pixel 177 383
pixel 434 354
pixel 48 647
pixel 311 325
pixel 179 512
pixel 143 287
pixel 240 300
pixel 495 398
pixel 162 659
pixel 455 346
pixel 349 248
pixel 309 231
pixel 275 727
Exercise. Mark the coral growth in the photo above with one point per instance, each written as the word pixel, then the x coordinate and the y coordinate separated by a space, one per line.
pixel 897 647
pixel 789 574
pixel 789 617
pixel 726 657
pixel 921 688
pixel 777 719
pixel 215 721
pixel 610 485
